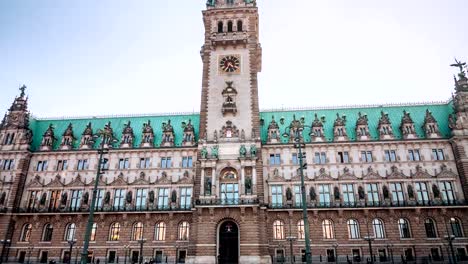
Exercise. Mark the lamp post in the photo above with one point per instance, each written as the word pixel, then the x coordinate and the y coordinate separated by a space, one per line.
pixel 450 237
pixel 71 242
pixel 369 240
pixel 4 245
pixel 30 249
pixel 107 139
pixel 291 240
pixel 297 127
pixel 126 248
pixel 390 251
pixel 335 246
pixel 141 242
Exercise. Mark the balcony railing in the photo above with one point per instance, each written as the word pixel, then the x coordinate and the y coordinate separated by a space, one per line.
pixel 229 37
pixel 360 204
pixel 242 201
pixel 149 208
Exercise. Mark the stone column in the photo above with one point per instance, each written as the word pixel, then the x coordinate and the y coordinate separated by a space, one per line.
pixel 242 181
pixel 213 180
pixel 202 182
pixel 254 180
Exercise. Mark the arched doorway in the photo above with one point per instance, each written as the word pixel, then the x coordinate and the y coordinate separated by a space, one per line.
pixel 228 243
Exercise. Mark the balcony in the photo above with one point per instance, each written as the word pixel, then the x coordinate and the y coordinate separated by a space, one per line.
pixel 226 202
pixel 360 204
pixel 232 38
pixel 149 208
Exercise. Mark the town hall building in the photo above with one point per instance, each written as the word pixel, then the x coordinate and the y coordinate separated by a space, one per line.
pixel 224 185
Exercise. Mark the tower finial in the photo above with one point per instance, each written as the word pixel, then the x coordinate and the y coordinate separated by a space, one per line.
pixel 22 89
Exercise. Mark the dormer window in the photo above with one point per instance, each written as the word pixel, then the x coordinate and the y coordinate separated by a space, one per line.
pixel 317 129
pixel 147 139
pixel 385 130
pixel 318 132
pixel 407 126
pixel 430 126
pixel 9 138
pixel 86 139
pixel 385 127
pixel 126 139
pixel 340 132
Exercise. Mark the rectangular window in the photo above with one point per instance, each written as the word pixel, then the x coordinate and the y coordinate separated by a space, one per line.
pixel 82 164
pixel 119 199
pixel 124 164
pixel 166 162
pixel 438 154
pixel 320 158
pixel 62 165
pixel 446 188
pixel 297 195
pixel 275 159
pixel 141 195
pixel 145 163
pixel 356 255
pixel 187 162
pixel 32 199
pixel 422 193
pixel 42 165
pixel 295 159
pixel 76 200
pixel 390 156
pixel 348 194
pixel 397 193
pixel 366 156
pixel 99 199
pixel 163 198
pixel 111 258
pixel 324 194
pixel 435 254
pixel 343 157
pixel 185 198
pixel 54 201
pixel 414 155
pixel 372 194
pixel 229 193
pixel 8 164
pixel 276 195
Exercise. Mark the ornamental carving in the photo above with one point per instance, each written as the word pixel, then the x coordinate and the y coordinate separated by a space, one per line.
pixel 147 139
pixel 362 127
pixel 87 137
pixel 168 134
pixel 48 139
pixel 339 128
pixel 127 136
pixel 273 131
pixel 189 134
pixel 275 176
pixel 295 129
pixel 407 126
pixel 385 127
pixel 431 128
pixel 68 138
pixel 318 134
pixel 229 99
pixel 229 131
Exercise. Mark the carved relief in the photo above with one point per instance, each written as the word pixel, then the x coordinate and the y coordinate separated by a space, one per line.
pixel 229 99
pixel 229 131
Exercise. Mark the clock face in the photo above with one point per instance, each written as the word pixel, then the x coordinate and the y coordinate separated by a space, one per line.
pixel 230 64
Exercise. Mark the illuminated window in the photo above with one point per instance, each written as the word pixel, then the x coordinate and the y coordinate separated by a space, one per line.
pixel 70 232
pixel 353 229
pixel 378 227
pixel 47 232
pixel 114 233
pixel 26 233
pixel 160 231
pixel 183 231
pixel 327 227
pixel 278 230
pixel 137 232
pixel 404 228
pixel 300 229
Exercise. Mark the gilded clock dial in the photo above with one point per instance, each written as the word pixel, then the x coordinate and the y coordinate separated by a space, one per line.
pixel 229 64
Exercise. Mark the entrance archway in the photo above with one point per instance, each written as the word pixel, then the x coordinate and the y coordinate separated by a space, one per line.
pixel 228 243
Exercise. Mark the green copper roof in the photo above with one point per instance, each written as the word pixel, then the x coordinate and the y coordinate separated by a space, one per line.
pixel 395 113
pixel 117 123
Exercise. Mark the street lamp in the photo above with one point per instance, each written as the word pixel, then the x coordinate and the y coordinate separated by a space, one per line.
pixel 335 246
pixel 369 239
pixel 297 127
pixel 71 242
pixel 450 237
pixel 141 242
pixel 4 245
pixel 126 249
pixel 291 239
pixel 30 249
pixel 390 251
pixel 107 139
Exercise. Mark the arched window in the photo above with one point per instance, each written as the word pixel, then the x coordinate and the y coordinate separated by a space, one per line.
pixel 160 231
pixel 327 227
pixel 456 226
pixel 137 232
pixel 404 228
pixel 220 27
pixel 114 232
pixel 300 229
pixel 70 232
pixel 353 229
pixel 229 29
pixel 239 26
pixel 278 229
pixel 184 231
pixel 430 227
pixel 93 232
pixel 378 227
pixel 47 232
pixel 26 233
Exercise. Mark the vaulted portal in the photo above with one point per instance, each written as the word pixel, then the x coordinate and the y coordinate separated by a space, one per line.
pixel 228 243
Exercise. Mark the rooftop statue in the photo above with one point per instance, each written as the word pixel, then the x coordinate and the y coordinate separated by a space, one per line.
pixel 459 65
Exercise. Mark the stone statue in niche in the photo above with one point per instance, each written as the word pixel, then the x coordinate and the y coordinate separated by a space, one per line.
pixel 207 186
pixel 253 150
pixel 242 135
pixel 204 153
pixel 248 185
pixel 215 135
pixel 242 151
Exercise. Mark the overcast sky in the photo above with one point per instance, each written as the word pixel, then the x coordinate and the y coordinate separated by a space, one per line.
pixel 105 57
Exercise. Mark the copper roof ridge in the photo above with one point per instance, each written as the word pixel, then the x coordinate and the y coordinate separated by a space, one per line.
pixel 113 116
